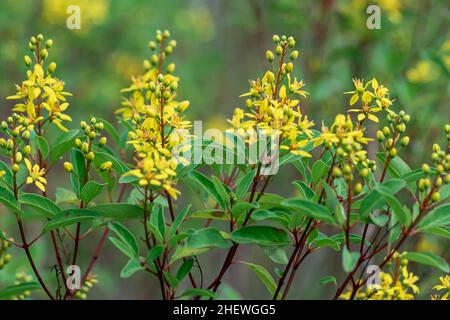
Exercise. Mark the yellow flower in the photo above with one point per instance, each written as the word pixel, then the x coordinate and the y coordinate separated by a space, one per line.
pixel 379 93
pixel 36 175
pixel 445 285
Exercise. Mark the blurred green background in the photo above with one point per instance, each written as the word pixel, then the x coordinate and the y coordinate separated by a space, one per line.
pixel 222 44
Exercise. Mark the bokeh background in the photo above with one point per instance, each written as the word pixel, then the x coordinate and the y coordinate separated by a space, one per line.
pixel 222 44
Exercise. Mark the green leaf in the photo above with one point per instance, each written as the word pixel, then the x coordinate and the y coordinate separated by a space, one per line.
pixel 438 217
pixel 243 184
pixel 157 219
pixel 122 247
pixel 439 231
pixel 221 190
pixel 8 177
pixel 41 204
pixel 264 276
pixel 261 235
pixel 68 217
pixel 184 269
pixel 179 220
pixel 402 213
pixel 276 254
pixel 328 279
pixel 197 292
pixel 349 259
pixel 90 190
pixel 18 289
pixel 305 191
pixel 397 167
pixel 154 253
pixel 319 170
pixel 119 210
pixel 77 177
pixel 200 241
pixel 125 236
pixel 310 209
pixel 62 144
pixel 7 198
pixel 373 199
pixel 64 195
pixel 132 266
pixel 208 186
pixel 39 143
pixel 428 259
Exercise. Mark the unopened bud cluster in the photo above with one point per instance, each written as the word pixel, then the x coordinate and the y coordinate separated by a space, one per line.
pixel 5 257
pixel 393 134
pixel 87 286
pixel 439 174
pixel 22 278
pixel 161 47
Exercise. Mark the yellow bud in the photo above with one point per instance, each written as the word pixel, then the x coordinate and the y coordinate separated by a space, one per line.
pixel 393 153
pixel 269 56
pixel 27 61
pixel 358 188
pixel 435 197
pixel 102 141
pixel 90 156
pixel 183 105
pixel 289 67
pixel 294 55
pixel 68 167
pixel 26 150
pixel 15 168
pixel 49 43
pixel 171 68
pixel 51 67
pixel 105 166
pixel 425 168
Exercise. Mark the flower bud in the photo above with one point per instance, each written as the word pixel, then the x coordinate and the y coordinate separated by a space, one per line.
pixel 90 156
pixel 166 95
pixel 358 188
pixel 404 141
pixel 337 172
pixel 102 141
pixel 291 43
pixel 154 59
pixel 269 56
pixel 49 43
pixel 78 143
pixel 19 157
pixel 83 124
pixel 393 153
pixel 85 147
pixel 276 38
pixel 99 126
pixel 435 197
pixel 425 168
pixel 15 168
pixel 33 40
pixel 44 53
pixel 26 150
pixel 9 144
pixel 26 134
pixel 294 55
pixel 439 181
pixel 406 118
pixel 289 67
pixel 2 142
pixel 92 135
pixel 447 178
pixel 51 67
pixel 278 50
pixel 4 125
pixel 68 167
pixel 347 169
pixel 40 37
pixel 170 68
pixel 105 166
pixel 401 127
pixel 364 173
pixel 152 45
pixel 380 136
pixel 439 168
pixel 168 50
pixel 27 60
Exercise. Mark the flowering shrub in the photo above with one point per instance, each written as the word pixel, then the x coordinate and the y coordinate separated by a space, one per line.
pixel 364 204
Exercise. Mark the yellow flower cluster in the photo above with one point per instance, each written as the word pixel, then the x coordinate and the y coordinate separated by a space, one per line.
pixel 273 105
pixel 160 131
pixel 157 171
pixel 400 285
pixel 372 101
pixel 41 91
pixel 443 286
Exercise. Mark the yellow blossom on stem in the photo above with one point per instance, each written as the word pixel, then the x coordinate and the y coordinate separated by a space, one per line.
pixel 36 175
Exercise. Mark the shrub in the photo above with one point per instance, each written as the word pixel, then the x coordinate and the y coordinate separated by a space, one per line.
pixel 367 209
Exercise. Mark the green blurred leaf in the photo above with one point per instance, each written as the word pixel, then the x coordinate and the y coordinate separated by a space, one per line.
pixel 428 259
pixel 41 204
pixel 261 235
pixel 90 190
